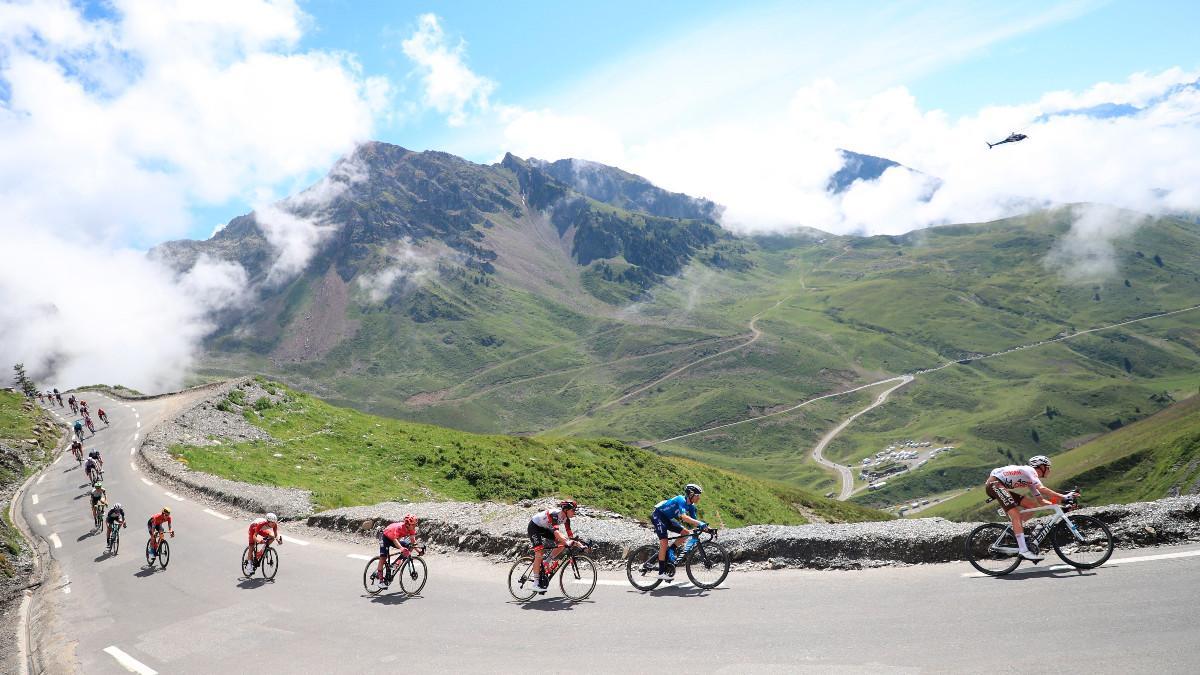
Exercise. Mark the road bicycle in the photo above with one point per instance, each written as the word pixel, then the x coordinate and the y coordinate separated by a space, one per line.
pixel 78 452
pixel 268 562
pixel 1082 541
pixel 162 555
pixel 410 570
pixel 95 474
pixel 706 562
pixel 104 418
pixel 576 575
pixel 90 426
pixel 98 513
pixel 114 539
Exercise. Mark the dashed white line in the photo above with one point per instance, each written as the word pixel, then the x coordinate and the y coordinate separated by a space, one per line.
pixel 174 496
pixel 133 467
pixel 128 662
pixel 299 542
pixel 139 425
pixel 359 556
pixel 41 478
pixel 34 499
pixel 222 516
pixel 147 482
pixel 55 540
pixel 67 588
pixel 132 450
pixel 135 436
pixel 41 519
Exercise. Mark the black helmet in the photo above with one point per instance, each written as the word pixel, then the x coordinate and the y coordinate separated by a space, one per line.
pixel 568 504
pixel 692 489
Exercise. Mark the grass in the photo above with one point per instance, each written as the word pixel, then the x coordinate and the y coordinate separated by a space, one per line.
pixel 1149 459
pixel 346 457
pixel 17 425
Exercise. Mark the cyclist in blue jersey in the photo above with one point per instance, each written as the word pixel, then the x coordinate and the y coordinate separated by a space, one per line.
pixel 670 515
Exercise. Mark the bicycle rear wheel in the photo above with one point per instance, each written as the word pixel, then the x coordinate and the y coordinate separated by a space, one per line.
pixel 707 564
pixel 150 555
pixel 413 575
pixel 991 549
pixel 247 566
pixel 642 568
pixel 522 581
pixel 164 554
pixel 578 578
pixel 270 564
pixel 371 581
pixel 1089 546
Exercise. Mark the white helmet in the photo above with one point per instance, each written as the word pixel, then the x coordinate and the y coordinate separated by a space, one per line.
pixel 272 518
pixel 1039 460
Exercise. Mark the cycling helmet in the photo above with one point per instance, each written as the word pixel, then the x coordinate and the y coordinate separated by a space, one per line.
pixel 568 504
pixel 272 518
pixel 118 507
pixel 692 489
pixel 97 485
pixel 1039 460
pixel 410 519
pixel 167 510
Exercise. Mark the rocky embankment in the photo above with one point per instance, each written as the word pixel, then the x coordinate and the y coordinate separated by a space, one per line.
pixel 499 529
pixel 213 421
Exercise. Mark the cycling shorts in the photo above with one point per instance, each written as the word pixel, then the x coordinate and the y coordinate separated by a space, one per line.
pixel 538 536
pixel 152 528
pixel 385 544
pixel 663 526
pixel 1007 499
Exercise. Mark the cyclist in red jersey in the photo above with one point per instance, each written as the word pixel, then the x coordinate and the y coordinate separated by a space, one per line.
pixel 401 535
pixel 260 530
pixel 155 526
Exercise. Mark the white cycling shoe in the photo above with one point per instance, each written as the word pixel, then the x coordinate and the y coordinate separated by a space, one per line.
pixel 1031 556
pixel 666 577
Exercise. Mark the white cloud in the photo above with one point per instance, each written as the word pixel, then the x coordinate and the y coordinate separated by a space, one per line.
pixel 113 129
pixel 450 86
pixel 409 268
pixel 1087 254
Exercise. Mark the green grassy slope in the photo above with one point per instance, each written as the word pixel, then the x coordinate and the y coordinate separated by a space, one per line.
pixel 1153 458
pixel 346 457
pixel 16 426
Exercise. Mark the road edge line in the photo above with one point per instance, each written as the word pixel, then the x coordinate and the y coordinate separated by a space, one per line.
pixel 128 662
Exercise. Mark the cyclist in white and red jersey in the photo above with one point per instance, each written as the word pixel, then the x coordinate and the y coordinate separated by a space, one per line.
pixel 545 527
pixel 260 530
pixel 401 535
pixel 1003 480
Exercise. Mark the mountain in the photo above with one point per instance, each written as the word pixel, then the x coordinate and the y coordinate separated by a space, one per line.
pixel 622 189
pixel 857 166
pixel 498 298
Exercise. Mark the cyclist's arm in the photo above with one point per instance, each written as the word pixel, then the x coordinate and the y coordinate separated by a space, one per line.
pixel 688 519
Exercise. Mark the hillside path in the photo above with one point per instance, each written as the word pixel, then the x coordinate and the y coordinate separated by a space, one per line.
pixel 843 470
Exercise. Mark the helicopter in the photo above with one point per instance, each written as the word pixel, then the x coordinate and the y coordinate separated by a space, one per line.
pixel 1012 138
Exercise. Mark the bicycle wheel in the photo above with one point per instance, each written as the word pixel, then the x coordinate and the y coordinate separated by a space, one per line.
pixel 522 582
pixel 114 540
pixel 269 564
pixel 991 548
pixel 1089 546
pixel 578 579
pixel 371 582
pixel 707 564
pixel 98 516
pixel 150 555
pixel 413 574
pixel 164 554
pixel 247 567
pixel 642 568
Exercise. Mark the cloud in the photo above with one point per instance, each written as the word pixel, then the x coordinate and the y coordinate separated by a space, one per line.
pixel 409 268
pixel 450 86
pixel 114 124
pixel 1087 254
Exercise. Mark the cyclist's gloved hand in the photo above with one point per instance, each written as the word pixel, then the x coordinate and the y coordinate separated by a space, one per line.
pixel 703 526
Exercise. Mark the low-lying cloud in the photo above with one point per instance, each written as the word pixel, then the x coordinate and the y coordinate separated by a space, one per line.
pixel 408 268
pixel 1087 253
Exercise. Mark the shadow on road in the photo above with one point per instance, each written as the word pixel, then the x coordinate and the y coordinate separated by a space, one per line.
pixel 679 591
pixel 103 556
pixel 147 571
pixel 1054 574
pixel 256 582
pixel 555 604
pixel 88 535
pixel 392 598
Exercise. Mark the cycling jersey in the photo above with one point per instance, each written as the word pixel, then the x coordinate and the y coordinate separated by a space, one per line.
pixel 1017 476
pixel 94 454
pixel 550 519
pixel 672 508
pixel 398 531
pixel 264 527
pixel 158 519
pixel 115 514
pixel 89 464
pixel 96 495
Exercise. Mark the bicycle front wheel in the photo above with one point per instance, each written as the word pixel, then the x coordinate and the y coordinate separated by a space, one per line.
pixel 522 581
pixel 164 554
pixel 371 580
pixel 642 568
pixel 578 579
pixel 270 564
pixel 991 548
pixel 707 564
pixel 413 575
pixel 114 540
pixel 1088 546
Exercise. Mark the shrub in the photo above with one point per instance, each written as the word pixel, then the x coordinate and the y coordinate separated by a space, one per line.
pixel 263 403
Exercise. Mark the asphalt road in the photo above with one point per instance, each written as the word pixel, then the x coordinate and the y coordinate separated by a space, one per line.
pixel 200 616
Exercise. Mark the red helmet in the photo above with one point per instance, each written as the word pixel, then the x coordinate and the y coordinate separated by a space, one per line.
pixel 410 519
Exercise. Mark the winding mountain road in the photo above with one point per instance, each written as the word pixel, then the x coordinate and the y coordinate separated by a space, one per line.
pixel 844 471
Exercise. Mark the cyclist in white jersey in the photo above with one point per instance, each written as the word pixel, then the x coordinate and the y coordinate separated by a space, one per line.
pixel 547 526
pixel 1003 480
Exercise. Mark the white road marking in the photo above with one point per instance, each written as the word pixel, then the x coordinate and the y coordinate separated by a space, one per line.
pixel 56 460
pixel 299 542
pixel 139 425
pixel 34 499
pixel 128 662
pixel 604 582
pixel 41 519
pixel 67 588
pixel 135 436
pixel 1113 563
pixel 41 478
pixel 147 482
pixel 174 496
pixel 134 410
pixel 222 516
pixel 55 540
pixel 132 467
pixel 132 450
pixel 359 556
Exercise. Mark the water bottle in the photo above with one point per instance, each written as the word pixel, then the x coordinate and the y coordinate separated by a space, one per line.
pixel 671 554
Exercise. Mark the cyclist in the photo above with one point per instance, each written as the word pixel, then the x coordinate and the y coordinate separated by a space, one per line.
pixel 401 535
pixel 102 415
pixel 155 527
pixel 71 401
pixel 115 517
pixel 544 527
pixel 79 429
pixel 1000 483
pixel 77 449
pixel 670 515
pixel 87 421
pixel 91 468
pixel 58 397
pixel 94 453
pixel 99 497
pixel 262 530
pixel 83 407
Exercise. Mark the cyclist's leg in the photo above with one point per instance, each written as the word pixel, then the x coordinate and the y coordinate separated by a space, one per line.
pixel 536 541
pixel 384 548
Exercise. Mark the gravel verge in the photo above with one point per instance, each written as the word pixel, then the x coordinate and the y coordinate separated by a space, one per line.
pixel 205 424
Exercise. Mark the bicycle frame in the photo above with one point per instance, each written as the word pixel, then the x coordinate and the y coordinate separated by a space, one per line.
pixel 1043 531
